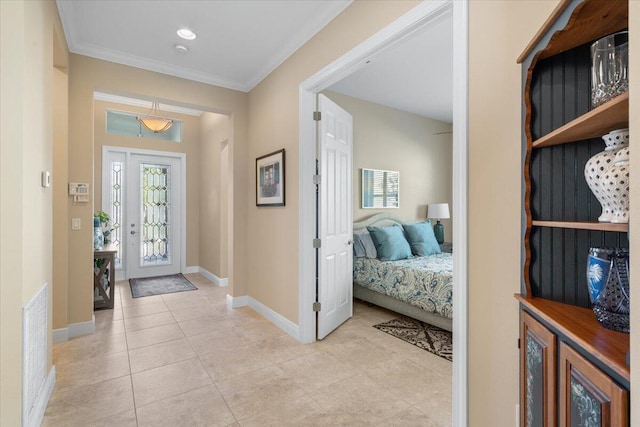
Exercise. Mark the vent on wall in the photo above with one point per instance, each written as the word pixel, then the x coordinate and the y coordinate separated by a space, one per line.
pixel 34 353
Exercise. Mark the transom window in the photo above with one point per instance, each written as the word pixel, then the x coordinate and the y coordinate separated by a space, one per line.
pixel 123 123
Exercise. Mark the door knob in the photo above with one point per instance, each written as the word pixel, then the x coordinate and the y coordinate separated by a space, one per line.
pixel 133 232
pixel 349 242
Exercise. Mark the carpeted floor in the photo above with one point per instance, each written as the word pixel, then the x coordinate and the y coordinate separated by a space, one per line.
pixel 148 286
pixel 427 337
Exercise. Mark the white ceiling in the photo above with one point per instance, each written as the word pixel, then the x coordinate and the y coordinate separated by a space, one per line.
pixel 415 75
pixel 240 42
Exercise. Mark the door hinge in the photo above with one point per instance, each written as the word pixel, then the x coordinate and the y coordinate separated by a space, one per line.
pixel 317 116
pixel 317 243
pixel 518 343
pixel 316 179
pixel 317 306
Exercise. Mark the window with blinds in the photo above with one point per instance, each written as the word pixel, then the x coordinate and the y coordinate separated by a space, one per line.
pixel 380 189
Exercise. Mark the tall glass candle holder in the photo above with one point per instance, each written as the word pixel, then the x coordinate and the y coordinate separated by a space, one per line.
pixel 610 67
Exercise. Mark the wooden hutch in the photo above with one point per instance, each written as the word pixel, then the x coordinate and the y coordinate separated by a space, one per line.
pixel 573 370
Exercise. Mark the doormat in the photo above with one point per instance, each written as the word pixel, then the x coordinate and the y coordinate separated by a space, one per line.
pixel 423 335
pixel 148 286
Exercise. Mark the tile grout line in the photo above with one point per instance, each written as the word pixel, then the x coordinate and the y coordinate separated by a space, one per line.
pixel 220 393
pixel 133 393
pixel 272 355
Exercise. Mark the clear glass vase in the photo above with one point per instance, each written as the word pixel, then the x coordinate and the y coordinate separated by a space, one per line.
pixel 609 67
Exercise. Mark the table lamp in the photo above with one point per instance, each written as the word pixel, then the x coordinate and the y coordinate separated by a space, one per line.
pixel 438 211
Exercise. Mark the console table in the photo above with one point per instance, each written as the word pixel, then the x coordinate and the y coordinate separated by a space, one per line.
pixel 104 273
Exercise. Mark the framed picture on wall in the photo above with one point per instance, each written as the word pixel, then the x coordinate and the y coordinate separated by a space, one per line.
pixel 380 189
pixel 270 179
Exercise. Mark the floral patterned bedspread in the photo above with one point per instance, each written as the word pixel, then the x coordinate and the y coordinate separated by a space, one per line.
pixel 426 282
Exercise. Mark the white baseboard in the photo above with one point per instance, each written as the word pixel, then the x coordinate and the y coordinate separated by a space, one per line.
pixel 40 406
pixel 60 335
pixel 192 270
pixel 219 281
pixel 281 322
pixel 222 282
pixel 74 330
pixel 237 302
pixel 82 328
pixel 277 319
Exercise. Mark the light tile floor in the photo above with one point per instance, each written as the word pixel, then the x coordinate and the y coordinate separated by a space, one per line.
pixel 185 359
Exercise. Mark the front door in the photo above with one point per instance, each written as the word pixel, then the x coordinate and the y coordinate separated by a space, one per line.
pixel 335 220
pixel 153 218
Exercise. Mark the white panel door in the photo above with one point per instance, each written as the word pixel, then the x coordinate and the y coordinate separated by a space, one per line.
pixel 335 219
pixel 153 216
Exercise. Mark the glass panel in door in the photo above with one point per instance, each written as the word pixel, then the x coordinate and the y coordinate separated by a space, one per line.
pixel 154 221
pixel 155 194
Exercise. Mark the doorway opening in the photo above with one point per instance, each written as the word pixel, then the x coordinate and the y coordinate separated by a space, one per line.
pixel 144 194
pixel 190 169
pixel 418 17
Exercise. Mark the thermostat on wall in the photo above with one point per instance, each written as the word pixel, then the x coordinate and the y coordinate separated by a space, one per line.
pixel 46 179
pixel 79 191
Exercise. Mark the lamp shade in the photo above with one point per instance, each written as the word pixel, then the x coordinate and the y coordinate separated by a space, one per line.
pixel 154 121
pixel 156 125
pixel 438 211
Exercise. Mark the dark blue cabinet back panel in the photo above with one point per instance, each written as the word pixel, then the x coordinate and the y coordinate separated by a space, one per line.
pixel 560 92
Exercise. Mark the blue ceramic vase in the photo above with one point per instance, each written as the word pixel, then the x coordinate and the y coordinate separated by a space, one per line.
pixel 598 266
pixel 98 237
pixel 608 279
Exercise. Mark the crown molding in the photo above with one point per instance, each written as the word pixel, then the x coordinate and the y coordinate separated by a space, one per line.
pixel 77 46
pixel 288 49
pixel 156 66
pixel 108 97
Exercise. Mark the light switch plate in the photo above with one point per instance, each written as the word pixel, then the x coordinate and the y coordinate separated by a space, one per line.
pixel 75 223
pixel 46 179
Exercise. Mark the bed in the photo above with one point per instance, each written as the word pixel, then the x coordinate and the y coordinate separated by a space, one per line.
pixel 420 287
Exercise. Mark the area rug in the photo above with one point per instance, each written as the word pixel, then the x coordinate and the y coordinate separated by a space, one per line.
pixel 148 286
pixel 427 337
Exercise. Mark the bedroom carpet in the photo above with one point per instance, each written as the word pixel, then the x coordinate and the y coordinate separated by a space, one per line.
pixel 148 286
pixel 427 337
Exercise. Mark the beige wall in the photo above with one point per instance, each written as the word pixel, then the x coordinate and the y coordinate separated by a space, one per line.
pixel 26 130
pixel 190 146
pixel 87 75
pixel 390 139
pixel 12 42
pixel 60 197
pixel 213 204
pixel 273 108
pixel 498 32
pixel 494 177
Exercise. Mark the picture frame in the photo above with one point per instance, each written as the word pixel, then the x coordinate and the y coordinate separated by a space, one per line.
pixel 270 179
pixel 380 189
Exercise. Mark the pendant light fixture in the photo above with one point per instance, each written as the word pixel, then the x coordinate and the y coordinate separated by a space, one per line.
pixel 154 121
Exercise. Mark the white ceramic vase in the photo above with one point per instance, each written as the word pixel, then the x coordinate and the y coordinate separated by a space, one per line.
pixel 598 165
pixel 616 185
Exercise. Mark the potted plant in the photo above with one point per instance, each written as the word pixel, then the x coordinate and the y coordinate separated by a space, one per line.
pixel 105 225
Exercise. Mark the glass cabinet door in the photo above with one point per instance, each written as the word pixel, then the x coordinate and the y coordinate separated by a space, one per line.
pixel 537 376
pixel 588 397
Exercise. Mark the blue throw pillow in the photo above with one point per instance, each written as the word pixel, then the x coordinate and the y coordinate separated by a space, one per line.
pixel 390 243
pixel 421 238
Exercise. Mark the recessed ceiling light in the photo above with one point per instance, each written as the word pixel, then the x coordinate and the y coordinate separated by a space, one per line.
pixel 181 49
pixel 186 34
